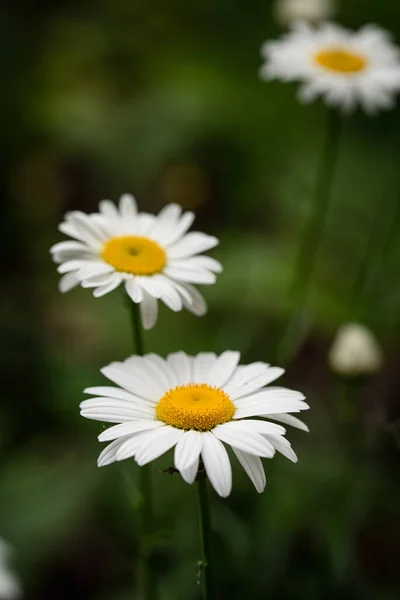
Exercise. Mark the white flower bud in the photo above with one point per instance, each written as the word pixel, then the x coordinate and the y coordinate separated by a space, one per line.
pixel 289 11
pixel 355 351
pixel 9 584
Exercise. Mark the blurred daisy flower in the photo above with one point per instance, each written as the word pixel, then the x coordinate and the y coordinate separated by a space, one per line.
pixel 152 256
pixel 9 584
pixel 346 68
pixel 195 404
pixel 355 351
pixel 289 11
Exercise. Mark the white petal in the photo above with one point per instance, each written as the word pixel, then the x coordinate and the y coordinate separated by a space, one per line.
pixel 253 467
pixel 191 275
pixel 182 366
pixel 260 426
pixel 132 443
pixel 170 375
pixel 217 464
pixel 149 375
pixel 237 437
pixel 283 446
pixel 93 268
pixel 289 420
pixel 188 449
pixel 192 243
pixel 89 231
pixel 127 206
pixel 198 305
pixel 168 293
pixel 108 209
pixel 123 429
pixel 112 284
pixel 162 440
pixel 134 290
pixel 67 246
pixel 109 454
pixel 114 411
pixel 113 392
pixel 202 364
pixel 243 375
pixel 148 311
pixel 97 280
pixel 179 230
pixel 258 382
pixel 197 262
pixel 150 285
pixel 189 474
pixel 68 282
pixel 132 380
pixel 223 368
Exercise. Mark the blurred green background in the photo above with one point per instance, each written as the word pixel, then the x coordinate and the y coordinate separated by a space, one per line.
pixel 162 99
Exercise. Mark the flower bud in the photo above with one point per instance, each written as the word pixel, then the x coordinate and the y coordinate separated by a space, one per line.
pixel 289 11
pixel 355 351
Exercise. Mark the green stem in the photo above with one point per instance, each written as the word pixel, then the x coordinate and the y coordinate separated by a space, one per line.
pixel 145 580
pixel 316 220
pixel 205 537
pixel 310 242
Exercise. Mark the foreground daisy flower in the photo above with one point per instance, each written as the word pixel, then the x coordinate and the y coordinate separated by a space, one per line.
pixel 346 68
pixel 195 404
pixel 152 256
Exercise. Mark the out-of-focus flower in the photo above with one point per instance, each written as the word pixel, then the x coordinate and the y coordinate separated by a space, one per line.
pixel 152 256
pixel 355 351
pixel 345 68
pixel 10 588
pixel 289 11
pixel 195 404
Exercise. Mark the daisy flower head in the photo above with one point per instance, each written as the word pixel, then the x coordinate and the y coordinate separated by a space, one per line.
pixel 345 68
pixel 195 404
pixel 152 256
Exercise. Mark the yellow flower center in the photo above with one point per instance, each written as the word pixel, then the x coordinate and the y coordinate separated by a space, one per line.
pixel 341 60
pixel 195 406
pixel 134 254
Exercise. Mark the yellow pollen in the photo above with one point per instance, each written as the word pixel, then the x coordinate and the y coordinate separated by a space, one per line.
pixel 195 406
pixel 134 254
pixel 341 60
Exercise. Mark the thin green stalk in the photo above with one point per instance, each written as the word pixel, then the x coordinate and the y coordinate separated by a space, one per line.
pixel 318 212
pixel 145 580
pixel 205 569
pixel 311 238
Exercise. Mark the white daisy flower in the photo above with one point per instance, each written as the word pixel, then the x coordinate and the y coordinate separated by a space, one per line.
pixel 346 68
pixel 195 404
pixel 289 11
pixel 10 588
pixel 152 256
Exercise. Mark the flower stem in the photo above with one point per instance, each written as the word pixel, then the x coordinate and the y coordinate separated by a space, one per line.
pixel 205 536
pixel 145 580
pixel 313 230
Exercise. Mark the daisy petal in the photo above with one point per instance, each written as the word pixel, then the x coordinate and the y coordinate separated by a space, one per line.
pixel 148 311
pixel 188 449
pixel 237 437
pixel 217 464
pixel 223 368
pixel 253 467
pixel 189 474
pixel 123 429
pixel 162 440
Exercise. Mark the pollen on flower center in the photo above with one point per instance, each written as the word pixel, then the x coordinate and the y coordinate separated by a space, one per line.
pixel 195 406
pixel 341 60
pixel 134 254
